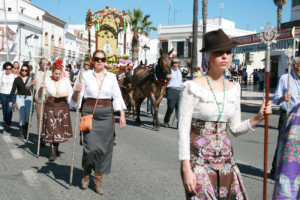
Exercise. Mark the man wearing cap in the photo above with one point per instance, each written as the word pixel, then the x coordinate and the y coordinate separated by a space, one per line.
pixel 173 91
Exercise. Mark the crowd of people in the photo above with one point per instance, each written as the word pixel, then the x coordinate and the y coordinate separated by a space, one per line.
pixel 207 107
pixel 53 90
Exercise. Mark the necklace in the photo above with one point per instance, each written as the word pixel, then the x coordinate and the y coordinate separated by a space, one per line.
pixel 219 109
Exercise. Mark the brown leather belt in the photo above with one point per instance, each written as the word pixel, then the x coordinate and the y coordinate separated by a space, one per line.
pixel 56 100
pixel 100 103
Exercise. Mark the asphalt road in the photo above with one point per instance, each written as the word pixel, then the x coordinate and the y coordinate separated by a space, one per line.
pixel 144 163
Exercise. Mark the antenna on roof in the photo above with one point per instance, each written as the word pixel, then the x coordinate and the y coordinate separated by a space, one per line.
pixel 221 7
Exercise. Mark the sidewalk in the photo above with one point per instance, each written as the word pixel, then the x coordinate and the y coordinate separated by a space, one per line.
pixel 252 96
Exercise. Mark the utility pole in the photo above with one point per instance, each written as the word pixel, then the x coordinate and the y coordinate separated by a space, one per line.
pixel 6 32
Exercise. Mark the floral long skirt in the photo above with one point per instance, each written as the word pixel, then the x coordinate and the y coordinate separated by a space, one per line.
pixel 57 125
pixel 218 177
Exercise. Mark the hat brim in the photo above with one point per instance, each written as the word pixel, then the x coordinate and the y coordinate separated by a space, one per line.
pixel 221 48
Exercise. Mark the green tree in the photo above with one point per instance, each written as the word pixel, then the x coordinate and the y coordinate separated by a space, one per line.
pixel 279 4
pixel 140 25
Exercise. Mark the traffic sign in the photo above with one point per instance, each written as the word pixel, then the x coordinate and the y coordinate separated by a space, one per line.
pixel 237 61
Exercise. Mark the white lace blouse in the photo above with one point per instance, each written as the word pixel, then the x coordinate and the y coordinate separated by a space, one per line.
pixel 197 102
pixel 54 88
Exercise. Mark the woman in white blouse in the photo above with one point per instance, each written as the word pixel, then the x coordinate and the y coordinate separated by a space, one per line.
pixel 57 127
pixel 98 142
pixel 7 79
pixel 208 105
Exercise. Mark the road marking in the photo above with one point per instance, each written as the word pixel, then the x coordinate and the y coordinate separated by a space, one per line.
pixel 7 139
pixel 30 177
pixel 16 154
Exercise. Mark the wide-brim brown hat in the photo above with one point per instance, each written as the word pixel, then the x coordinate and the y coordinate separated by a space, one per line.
pixel 217 41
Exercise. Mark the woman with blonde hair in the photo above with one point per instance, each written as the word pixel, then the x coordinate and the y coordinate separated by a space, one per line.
pixel 208 105
pixel 16 68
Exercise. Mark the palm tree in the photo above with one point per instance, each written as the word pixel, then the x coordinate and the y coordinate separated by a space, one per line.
pixel 139 25
pixel 204 24
pixel 279 4
pixel 195 37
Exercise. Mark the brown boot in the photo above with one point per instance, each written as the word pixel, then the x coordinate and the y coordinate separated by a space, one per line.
pixel 53 153
pixel 86 178
pixel 98 180
pixel 22 132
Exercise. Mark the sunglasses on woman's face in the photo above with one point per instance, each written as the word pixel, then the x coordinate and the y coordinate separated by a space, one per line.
pixel 7 68
pixel 24 70
pixel 220 53
pixel 97 59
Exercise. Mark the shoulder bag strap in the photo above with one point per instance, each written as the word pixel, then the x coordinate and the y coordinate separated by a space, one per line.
pixel 98 93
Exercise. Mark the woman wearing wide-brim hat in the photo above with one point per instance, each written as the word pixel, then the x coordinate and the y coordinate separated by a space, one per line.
pixel 208 105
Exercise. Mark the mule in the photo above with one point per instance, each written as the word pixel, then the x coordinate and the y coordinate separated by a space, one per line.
pixel 152 84
pixel 125 83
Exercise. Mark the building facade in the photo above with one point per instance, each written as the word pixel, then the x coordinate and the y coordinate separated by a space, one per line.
pixel 34 33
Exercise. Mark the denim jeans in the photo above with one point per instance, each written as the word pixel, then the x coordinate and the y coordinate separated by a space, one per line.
pixel 149 105
pixel 6 110
pixel 24 108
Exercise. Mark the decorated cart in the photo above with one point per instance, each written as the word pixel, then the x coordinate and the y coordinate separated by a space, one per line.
pixel 108 23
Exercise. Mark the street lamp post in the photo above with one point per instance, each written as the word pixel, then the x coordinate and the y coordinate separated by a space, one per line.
pixel 268 35
pixel 146 48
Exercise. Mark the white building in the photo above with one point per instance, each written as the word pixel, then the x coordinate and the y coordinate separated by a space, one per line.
pixel 35 33
pixel 177 37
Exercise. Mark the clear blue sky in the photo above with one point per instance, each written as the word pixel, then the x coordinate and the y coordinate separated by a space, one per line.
pixel 248 14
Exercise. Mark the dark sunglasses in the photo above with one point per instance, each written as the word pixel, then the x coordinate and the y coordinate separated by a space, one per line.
pixel 7 68
pixel 220 53
pixel 24 70
pixel 97 59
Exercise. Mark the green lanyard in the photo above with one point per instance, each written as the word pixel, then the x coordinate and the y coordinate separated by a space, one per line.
pixel 220 111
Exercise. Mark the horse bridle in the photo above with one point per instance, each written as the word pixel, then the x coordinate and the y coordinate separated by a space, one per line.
pixel 162 64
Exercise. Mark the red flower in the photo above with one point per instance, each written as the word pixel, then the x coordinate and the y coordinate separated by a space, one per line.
pixel 91 62
pixel 58 63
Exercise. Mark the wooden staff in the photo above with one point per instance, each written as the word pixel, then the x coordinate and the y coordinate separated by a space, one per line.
pixel 288 88
pixel 76 124
pixel 31 105
pixel 267 78
pixel 41 114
